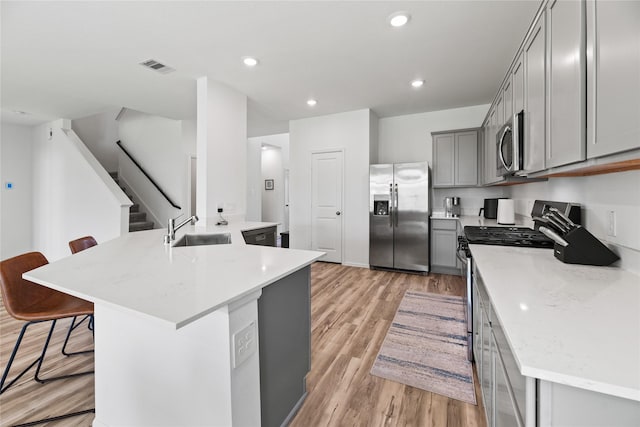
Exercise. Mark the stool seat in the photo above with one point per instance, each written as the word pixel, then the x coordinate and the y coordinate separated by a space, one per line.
pixel 25 300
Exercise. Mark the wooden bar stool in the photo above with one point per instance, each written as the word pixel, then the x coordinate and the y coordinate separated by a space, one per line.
pixel 33 303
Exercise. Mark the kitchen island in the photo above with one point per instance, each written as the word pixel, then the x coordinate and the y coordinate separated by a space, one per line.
pixel 179 329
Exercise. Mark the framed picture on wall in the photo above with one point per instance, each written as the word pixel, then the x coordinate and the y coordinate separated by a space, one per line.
pixel 268 184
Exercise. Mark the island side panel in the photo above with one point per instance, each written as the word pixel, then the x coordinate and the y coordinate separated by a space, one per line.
pixel 150 374
pixel 284 319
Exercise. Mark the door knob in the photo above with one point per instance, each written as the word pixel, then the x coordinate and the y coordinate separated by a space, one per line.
pixel 338 213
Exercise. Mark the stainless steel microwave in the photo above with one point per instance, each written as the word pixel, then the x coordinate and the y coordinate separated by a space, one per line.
pixel 510 146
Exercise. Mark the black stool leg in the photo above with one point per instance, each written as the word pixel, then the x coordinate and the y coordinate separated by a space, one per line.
pixel 41 359
pixel 4 388
pixel 73 326
pixel 58 418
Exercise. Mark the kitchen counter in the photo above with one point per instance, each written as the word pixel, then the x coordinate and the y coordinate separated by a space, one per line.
pixel 189 335
pixel 569 324
pixel 139 274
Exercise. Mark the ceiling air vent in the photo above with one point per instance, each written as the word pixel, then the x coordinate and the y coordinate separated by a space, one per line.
pixel 157 66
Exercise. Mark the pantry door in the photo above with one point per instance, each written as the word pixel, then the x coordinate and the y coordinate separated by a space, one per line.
pixel 326 204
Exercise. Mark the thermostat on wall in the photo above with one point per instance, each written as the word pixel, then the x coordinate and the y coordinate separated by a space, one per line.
pixel 8 185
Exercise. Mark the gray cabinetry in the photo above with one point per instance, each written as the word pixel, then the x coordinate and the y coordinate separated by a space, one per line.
pixel 455 159
pixel 261 236
pixel 504 389
pixel 507 100
pixel 535 98
pixel 517 75
pixel 444 160
pixel 444 242
pixel 490 166
pixel 284 319
pixel 613 70
pixel 566 80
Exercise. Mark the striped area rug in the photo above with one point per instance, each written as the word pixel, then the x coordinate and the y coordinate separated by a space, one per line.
pixel 426 346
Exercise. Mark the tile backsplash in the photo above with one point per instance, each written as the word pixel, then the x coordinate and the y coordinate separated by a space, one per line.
pixel 598 195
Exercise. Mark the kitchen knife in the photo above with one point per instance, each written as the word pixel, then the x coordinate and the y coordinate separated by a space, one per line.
pixel 565 219
pixel 553 236
pixel 556 223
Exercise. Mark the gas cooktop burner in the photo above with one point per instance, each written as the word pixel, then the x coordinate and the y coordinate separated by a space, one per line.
pixel 507 236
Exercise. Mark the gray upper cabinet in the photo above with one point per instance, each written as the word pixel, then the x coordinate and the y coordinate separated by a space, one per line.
pixel 507 100
pixel 535 98
pixel 443 160
pixel 613 87
pixel 566 80
pixel 466 164
pixel 517 81
pixel 490 166
pixel 455 159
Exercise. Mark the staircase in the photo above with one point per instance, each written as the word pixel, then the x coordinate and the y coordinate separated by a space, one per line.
pixel 137 220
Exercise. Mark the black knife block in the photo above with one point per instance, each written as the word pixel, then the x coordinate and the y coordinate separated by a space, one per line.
pixel 584 248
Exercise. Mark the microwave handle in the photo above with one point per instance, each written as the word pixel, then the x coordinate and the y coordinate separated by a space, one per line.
pixel 500 156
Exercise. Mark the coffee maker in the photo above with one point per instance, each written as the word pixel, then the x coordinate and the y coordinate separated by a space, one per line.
pixel 452 206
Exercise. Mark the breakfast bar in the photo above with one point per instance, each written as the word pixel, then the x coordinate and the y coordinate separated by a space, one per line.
pixel 180 330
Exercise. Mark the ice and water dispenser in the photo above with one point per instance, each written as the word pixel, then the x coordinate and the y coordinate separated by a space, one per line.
pixel 380 205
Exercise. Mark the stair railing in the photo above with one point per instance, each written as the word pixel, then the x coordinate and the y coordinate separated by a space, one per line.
pixel 119 143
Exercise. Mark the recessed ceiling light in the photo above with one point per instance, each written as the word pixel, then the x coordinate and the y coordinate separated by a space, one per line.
pixel 311 102
pixel 249 61
pixel 417 83
pixel 399 19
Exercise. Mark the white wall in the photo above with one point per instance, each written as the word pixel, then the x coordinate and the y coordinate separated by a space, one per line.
pixel 273 200
pixel 597 195
pixel 15 204
pixel 221 150
pixel 99 132
pixel 73 195
pixel 158 145
pixel 408 138
pixel 351 132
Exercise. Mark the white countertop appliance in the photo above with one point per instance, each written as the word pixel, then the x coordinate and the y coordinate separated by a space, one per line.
pixel 506 212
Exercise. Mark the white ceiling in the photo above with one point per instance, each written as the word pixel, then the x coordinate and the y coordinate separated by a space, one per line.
pixel 73 59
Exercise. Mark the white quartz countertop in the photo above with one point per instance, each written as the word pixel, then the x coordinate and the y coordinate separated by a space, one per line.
pixel 139 274
pixel 570 324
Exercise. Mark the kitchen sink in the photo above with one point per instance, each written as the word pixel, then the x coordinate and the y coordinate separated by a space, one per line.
pixel 203 239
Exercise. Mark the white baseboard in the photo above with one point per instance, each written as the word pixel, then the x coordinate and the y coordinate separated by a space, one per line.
pixel 355 264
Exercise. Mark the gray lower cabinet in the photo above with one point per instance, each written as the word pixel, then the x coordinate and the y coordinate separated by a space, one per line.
pixel 284 323
pixel 444 243
pixel 260 236
pixel 503 387
pixel 613 67
pixel 455 158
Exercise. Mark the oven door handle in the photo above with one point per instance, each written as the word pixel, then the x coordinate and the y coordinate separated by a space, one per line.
pixel 461 258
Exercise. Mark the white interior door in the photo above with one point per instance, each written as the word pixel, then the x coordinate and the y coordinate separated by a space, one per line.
pixel 326 204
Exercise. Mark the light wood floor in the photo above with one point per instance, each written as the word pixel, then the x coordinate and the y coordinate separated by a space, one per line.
pixel 352 309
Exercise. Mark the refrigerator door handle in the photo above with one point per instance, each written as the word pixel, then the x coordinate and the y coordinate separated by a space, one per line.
pixel 397 209
pixel 391 204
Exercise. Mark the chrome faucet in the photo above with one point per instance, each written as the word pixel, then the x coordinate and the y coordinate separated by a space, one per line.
pixel 172 228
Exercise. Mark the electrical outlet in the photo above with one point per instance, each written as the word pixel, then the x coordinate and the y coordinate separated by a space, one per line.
pixel 244 344
pixel 611 228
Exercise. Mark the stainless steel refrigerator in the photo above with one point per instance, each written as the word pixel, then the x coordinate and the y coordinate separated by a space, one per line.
pixel 399 216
